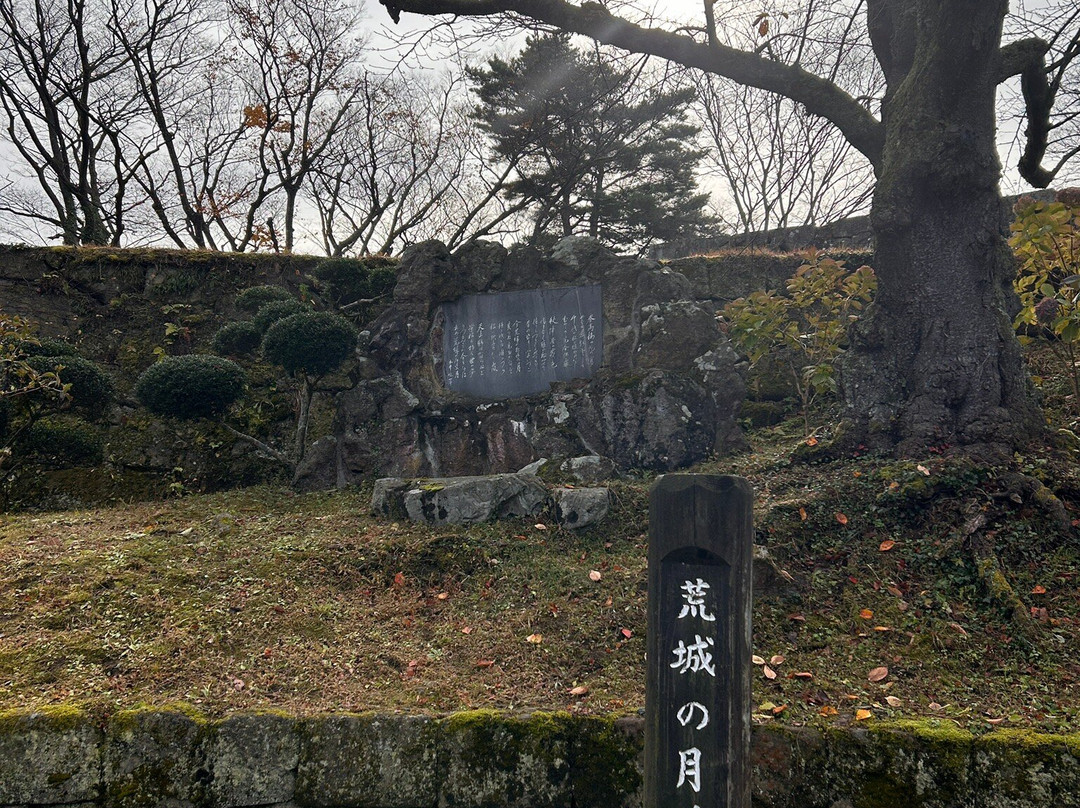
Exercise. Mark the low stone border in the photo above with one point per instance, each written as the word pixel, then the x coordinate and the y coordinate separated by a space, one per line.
pixel 174 757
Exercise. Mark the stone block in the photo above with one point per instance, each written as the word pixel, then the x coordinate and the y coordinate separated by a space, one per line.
pixel 464 500
pixel 1022 769
pixel 368 761
pixel 253 760
pixel 580 507
pixel 48 757
pixel 497 762
pixel 606 762
pixel 589 468
pixel 155 759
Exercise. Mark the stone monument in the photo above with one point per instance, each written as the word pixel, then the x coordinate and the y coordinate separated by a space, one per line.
pixel 488 359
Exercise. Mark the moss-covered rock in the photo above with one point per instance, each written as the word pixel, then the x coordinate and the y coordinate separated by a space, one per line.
pixel 252 759
pixel 49 756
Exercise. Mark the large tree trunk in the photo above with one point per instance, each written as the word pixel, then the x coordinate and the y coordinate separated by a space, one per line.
pixel 935 360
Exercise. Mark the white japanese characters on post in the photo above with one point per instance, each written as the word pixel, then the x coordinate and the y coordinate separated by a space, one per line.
pixel 697 702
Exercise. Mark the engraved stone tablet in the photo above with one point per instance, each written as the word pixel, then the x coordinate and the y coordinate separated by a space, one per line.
pixel 516 343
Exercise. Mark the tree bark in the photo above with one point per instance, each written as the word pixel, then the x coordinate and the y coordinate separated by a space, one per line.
pixel 934 360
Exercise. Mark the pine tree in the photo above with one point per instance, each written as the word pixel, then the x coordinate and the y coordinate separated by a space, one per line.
pixel 601 147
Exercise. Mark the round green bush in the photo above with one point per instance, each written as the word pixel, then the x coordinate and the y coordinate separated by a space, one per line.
pixel 346 280
pixel 92 390
pixel 272 312
pixel 188 387
pixel 65 441
pixel 46 347
pixel 313 343
pixel 236 339
pixel 256 297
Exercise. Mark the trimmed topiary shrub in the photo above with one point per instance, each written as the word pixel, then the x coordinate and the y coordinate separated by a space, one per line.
pixel 65 441
pixel 272 312
pixel 236 339
pixel 92 390
pixel 256 297
pixel 188 387
pixel 46 347
pixel 312 343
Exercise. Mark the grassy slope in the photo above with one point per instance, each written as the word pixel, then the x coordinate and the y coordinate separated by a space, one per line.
pixel 262 598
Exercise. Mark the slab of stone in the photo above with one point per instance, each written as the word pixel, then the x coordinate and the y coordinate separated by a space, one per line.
pixel 498 762
pixel 48 757
pixel 368 761
pixel 459 500
pixel 253 760
pixel 155 758
pixel 589 468
pixel 606 762
pixel 580 507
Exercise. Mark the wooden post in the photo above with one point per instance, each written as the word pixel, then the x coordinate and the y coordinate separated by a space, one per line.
pixel 697 699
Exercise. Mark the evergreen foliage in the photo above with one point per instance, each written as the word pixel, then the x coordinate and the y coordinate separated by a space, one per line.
pixel 91 388
pixel 189 387
pixel 311 343
pixel 279 309
pixel 65 441
pixel 347 280
pixel 601 145
pixel 255 297
pixel 236 339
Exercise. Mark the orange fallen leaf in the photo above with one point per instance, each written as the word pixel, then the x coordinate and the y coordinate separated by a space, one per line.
pixel 442 595
pixel 535 639
pixel 924 470
pixel 862 715
pixel 878 674
pixel 594 575
pixel 882 628
pixel 626 633
pixel 1038 590
pixel 802 514
pixel 770 674
pixel 827 711
pixel 811 441
pixel 779 709
pixel 841 518
pixel 399 580
pixel 580 690
pixel 866 614
pixel 803 675
pixel 485 663
pixel 467 630
pixel 886 545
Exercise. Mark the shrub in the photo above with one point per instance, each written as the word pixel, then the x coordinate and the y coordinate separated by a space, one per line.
pixel 66 441
pixel 47 347
pixel 256 297
pixel 272 312
pixel 805 331
pixel 236 339
pixel 1046 239
pixel 312 343
pixel 91 388
pixel 188 387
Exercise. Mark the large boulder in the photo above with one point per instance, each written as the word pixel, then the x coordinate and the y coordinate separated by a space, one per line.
pixel 663 395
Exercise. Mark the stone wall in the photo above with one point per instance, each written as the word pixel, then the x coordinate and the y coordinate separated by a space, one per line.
pixel 665 396
pixel 175 757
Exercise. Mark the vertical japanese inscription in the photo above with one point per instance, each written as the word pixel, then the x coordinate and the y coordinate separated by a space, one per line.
pixel 698 679
pixel 517 343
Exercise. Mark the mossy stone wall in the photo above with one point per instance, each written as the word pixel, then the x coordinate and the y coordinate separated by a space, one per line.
pixel 172 756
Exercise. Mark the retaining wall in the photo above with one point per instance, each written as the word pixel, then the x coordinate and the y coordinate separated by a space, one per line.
pixel 174 757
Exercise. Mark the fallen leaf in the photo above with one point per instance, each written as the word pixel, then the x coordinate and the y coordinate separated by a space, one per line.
pixel 882 628
pixel 827 711
pixel 777 659
pixel 893 701
pixel 267 652
pixel 238 684
pixel 757 660
pixel 770 674
pixel 802 514
pixel 626 633
pixel 841 518
pixel 798 618
pixel 886 545
pixel 485 663
pixel 863 714
pixel 399 580
pixel 803 675
pixel 594 575
pixel 811 441
pixel 535 639
pixel 892 589
pixel 935 706
pixel 779 709
pixel 442 595
pixel 995 721
pixel 580 690
pixel 540 526
pixel 924 470
pixel 467 630
pixel 877 674
pixel 866 614
pixel 1038 590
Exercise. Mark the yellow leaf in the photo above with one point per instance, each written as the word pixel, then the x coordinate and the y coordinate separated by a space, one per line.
pixel 802 514
pixel 827 711
pixel 535 639
pixel 866 614
pixel 862 715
